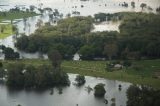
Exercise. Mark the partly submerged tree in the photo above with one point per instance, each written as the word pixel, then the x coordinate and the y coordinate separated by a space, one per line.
pixel 56 58
pixel 99 90
pixel 133 4
pixel 143 5
pixel 80 79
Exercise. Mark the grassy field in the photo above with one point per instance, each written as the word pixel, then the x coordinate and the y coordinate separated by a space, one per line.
pixel 16 15
pixel 7 31
pixel 97 69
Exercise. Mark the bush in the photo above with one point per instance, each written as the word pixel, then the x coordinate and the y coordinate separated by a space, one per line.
pixel 142 96
pixel 99 90
pixel 127 63
pixel 80 79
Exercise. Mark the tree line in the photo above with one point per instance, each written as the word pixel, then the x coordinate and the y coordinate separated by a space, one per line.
pixel 138 38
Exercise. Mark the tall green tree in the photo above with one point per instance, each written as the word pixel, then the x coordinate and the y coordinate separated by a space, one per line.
pixel 56 58
pixel 110 50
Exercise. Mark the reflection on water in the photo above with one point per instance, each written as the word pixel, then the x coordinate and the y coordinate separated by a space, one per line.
pixel 71 95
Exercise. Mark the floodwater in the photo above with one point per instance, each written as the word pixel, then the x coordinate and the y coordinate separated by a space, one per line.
pixel 70 96
pixel 86 8
pixel 90 6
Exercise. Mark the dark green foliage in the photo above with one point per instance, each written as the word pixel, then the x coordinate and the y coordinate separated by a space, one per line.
pixel 99 90
pixel 87 52
pixel 10 54
pixel 126 63
pixel 2 72
pixel 29 76
pixel 1 64
pixel 56 58
pixel 138 38
pixel 80 79
pixel 22 42
pixel 101 17
pixel 143 96
pixel 15 75
pixel 43 76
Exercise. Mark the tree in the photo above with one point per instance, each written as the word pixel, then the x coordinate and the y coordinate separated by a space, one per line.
pixel 142 96
pixel 32 7
pixel 80 79
pixel 15 75
pixel 14 29
pixel 99 90
pixel 29 76
pixel 133 4
pixel 22 42
pixel 56 58
pixel 10 54
pixel 2 72
pixel 143 5
pixel 39 23
pixel 111 50
pixel 87 52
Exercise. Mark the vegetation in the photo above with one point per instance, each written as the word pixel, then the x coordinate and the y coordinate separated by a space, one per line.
pixel 138 38
pixel 15 13
pixel 9 53
pixel 145 75
pixel 80 79
pixel 31 77
pixel 5 30
pixel 142 96
pixel 99 90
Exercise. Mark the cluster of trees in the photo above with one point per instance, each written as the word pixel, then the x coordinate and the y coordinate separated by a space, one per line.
pixel 125 4
pixel 43 76
pixel 19 75
pixel 9 53
pixel 101 17
pixel 66 37
pixel 138 37
pixel 142 96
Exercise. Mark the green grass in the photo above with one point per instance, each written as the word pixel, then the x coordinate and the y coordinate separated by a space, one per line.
pixel 16 15
pixel 7 31
pixel 97 69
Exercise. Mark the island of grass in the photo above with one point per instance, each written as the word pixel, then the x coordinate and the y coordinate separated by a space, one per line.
pixel 5 30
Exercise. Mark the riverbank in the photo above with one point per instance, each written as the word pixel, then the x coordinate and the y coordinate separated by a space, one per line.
pixel 144 75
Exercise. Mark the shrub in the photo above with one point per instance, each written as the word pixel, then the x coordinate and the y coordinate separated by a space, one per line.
pixel 99 90
pixel 80 79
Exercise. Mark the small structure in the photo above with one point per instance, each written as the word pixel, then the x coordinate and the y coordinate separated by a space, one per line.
pixel 76 57
pixel 118 66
